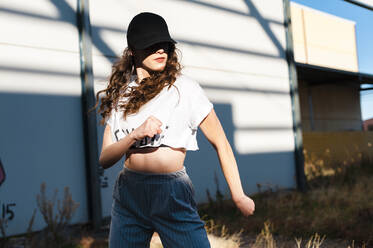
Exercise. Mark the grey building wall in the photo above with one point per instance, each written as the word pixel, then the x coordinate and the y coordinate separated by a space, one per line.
pixel 41 138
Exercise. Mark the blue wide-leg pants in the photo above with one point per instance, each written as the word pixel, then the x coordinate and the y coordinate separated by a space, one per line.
pixel 144 203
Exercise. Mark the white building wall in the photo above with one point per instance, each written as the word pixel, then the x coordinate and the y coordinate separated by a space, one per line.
pixel 323 39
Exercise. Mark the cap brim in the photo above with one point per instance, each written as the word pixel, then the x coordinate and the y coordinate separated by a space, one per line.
pixel 148 43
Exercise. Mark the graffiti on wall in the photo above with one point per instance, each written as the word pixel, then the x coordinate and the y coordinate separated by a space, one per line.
pixel 103 178
pixel 2 173
pixel 7 209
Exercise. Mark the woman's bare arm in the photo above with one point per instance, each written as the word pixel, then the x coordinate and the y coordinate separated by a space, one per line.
pixel 215 134
pixel 112 152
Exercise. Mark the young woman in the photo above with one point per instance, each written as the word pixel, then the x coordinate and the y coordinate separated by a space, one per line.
pixel 152 114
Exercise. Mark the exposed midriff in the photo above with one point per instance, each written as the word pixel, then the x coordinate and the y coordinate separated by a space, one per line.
pixel 163 159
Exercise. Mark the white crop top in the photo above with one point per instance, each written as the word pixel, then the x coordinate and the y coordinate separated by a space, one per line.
pixel 180 116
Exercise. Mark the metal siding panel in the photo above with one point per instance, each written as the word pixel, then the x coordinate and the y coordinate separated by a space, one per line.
pixel 42 24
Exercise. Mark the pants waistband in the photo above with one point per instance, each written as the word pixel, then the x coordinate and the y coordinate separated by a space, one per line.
pixel 144 175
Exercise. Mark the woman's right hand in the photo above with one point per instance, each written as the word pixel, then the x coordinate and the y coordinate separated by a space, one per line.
pixel 150 127
pixel 246 205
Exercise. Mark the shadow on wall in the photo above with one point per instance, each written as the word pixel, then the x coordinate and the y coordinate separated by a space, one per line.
pixel 252 12
pixel 41 141
pixel 67 14
pixel 271 170
pixel 47 130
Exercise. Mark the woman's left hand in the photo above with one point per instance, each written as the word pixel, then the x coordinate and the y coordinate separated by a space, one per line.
pixel 245 204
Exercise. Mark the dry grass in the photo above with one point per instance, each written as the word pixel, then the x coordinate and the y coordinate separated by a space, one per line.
pixel 220 237
pixel 338 206
pixel 4 239
pixel 56 233
pixel 223 240
pixel 266 239
pixel 231 241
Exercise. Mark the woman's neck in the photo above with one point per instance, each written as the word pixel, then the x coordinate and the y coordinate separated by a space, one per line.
pixel 141 74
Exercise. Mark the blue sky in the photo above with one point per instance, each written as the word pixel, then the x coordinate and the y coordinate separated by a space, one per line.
pixel 364 37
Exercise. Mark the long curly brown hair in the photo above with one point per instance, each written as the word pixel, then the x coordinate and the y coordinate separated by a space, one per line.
pixel 148 88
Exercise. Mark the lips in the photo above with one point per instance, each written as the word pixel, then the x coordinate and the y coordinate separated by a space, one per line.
pixel 161 59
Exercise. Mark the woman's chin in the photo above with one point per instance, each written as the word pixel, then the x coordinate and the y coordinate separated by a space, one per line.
pixel 158 68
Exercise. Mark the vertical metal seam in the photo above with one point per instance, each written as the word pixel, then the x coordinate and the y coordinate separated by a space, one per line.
pixel 356 50
pixel 89 120
pixel 304 36
pixel 298 141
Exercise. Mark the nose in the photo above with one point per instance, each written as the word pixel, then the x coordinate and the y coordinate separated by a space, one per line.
pixel 160 50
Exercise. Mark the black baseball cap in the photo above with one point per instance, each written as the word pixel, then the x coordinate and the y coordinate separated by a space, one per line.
pixel 146 29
